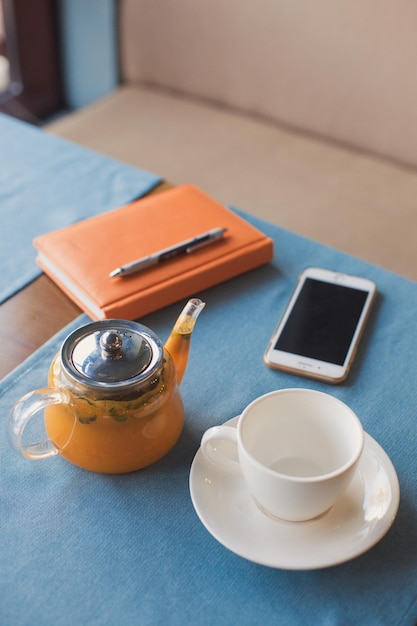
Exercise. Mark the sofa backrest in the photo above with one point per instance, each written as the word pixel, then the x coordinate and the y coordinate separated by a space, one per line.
pixel 344 69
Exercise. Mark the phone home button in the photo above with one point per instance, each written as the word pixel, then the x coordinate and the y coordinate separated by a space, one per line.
pixel 304 365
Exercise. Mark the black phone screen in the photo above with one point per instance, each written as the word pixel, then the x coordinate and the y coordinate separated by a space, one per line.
pixel 323 321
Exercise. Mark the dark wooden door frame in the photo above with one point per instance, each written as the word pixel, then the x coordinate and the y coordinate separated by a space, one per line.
pixel 33 49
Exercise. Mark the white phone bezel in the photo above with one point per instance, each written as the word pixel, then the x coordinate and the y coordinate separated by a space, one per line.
pixel 323 370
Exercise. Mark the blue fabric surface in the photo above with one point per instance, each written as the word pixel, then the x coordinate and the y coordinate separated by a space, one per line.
pixel 80 548
pixel 47 183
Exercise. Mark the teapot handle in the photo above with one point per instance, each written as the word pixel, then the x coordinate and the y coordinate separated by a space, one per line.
pixel 23 411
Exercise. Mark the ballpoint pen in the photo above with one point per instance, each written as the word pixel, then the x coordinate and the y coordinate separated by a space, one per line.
pixel 184 247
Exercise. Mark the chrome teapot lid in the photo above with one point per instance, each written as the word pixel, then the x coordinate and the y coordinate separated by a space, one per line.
pixel 112 354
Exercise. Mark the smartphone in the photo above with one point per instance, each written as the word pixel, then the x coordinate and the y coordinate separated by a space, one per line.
pixel 319 332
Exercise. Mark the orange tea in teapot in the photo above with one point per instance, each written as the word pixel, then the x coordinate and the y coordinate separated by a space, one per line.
pixel 113 403
pixel 117 436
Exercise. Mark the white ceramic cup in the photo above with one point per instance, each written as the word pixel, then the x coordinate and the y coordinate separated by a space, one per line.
pixel 297 449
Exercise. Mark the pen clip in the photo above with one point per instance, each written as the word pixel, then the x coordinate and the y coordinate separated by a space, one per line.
pixel 214 235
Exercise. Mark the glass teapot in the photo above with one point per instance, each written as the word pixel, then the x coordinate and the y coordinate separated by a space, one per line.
pixel 113 403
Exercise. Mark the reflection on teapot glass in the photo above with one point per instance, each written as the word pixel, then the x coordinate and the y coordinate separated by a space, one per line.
pixel 113 403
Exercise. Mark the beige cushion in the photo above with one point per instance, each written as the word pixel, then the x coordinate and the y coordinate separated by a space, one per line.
pixel 346 199
pixel 344 69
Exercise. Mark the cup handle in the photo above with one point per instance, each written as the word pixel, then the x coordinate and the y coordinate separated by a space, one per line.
pixel 220 455
pixel 23 411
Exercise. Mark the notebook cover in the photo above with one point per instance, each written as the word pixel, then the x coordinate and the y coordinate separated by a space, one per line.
pixel 80 257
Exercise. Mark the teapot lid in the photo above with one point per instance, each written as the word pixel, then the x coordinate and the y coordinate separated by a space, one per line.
pixel 111 354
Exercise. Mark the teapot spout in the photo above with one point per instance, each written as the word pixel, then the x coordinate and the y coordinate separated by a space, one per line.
pixel 178 343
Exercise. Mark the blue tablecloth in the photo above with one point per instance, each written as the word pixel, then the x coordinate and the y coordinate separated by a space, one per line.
pixel 47 183
pixel 81 548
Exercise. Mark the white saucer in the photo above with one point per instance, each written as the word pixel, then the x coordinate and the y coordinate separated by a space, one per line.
pixel 356 523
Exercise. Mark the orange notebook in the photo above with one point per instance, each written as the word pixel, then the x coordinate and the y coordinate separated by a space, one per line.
pixel 80 257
